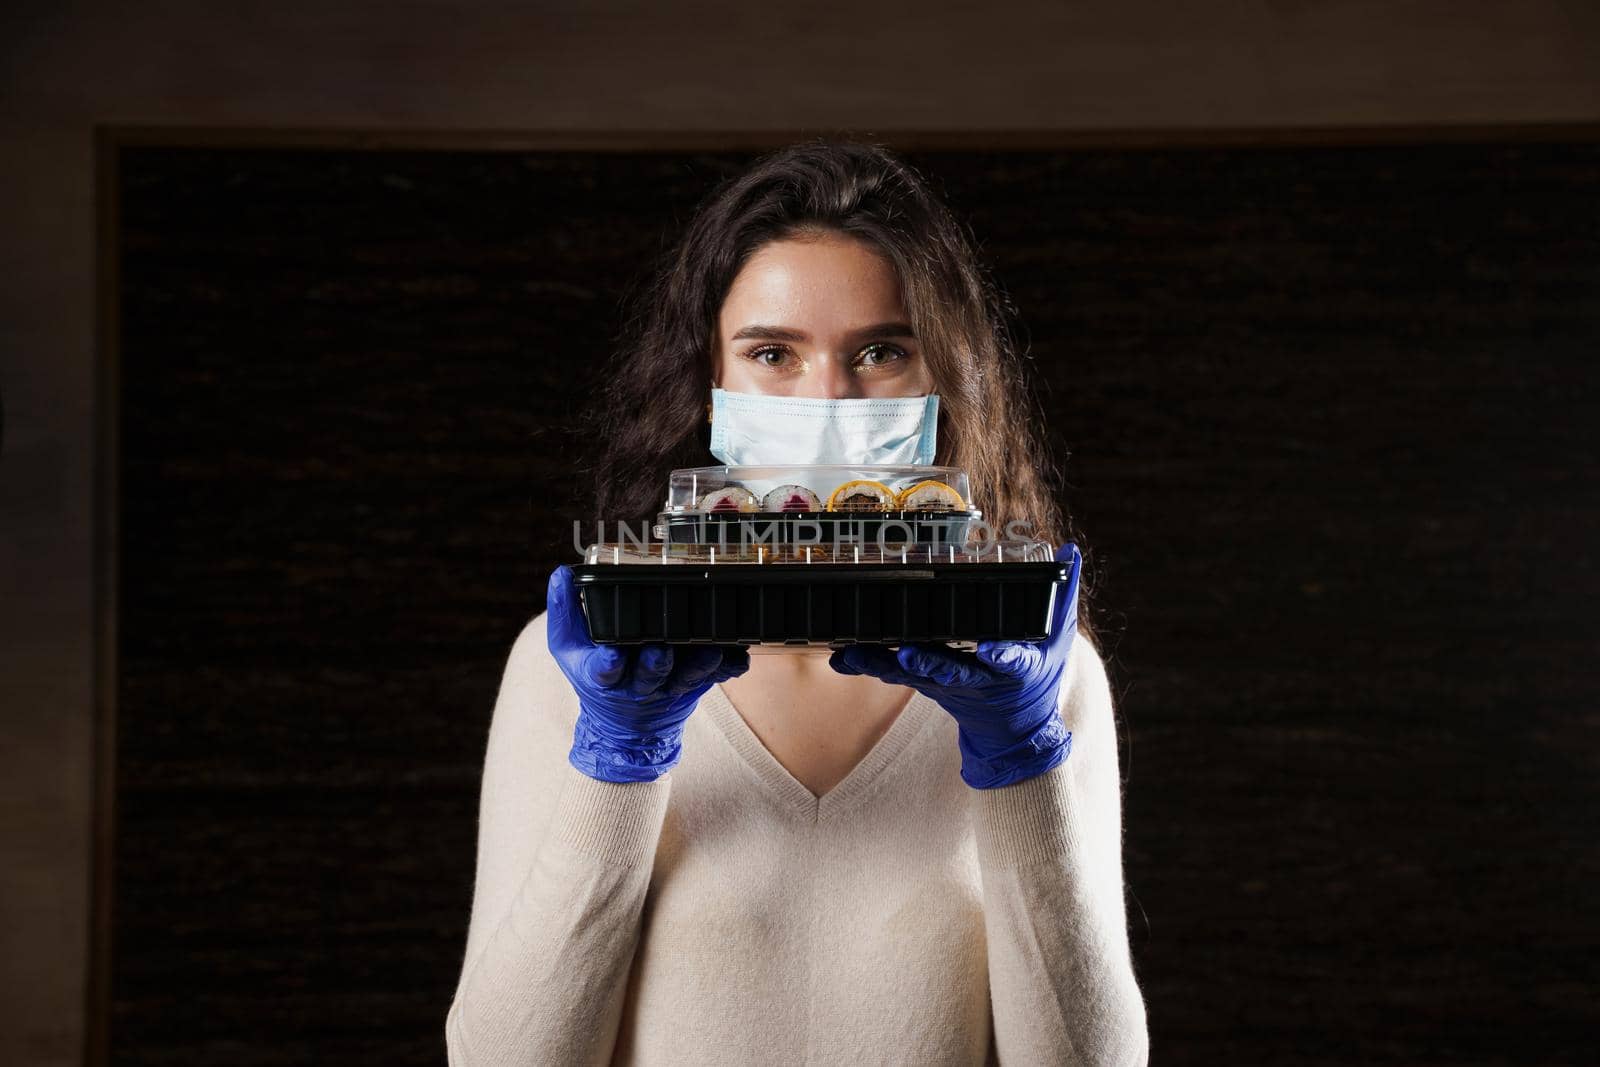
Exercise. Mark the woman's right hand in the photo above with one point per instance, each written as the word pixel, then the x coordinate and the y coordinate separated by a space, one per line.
pixel 633 701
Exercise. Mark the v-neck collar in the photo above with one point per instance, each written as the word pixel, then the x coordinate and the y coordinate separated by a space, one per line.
pixel 913 719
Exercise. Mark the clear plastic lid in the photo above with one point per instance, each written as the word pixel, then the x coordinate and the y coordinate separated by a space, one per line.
pixel 863 488
pixel 634 552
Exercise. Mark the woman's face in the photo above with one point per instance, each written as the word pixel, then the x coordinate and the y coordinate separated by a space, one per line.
pixel 818 317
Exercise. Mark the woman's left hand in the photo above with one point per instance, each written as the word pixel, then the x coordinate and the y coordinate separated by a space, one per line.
pixel 1005 696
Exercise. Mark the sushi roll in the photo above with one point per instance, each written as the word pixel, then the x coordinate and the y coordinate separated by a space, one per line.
pixel 861 495
pixel 729 498
pixel 791 498
pixel 929 495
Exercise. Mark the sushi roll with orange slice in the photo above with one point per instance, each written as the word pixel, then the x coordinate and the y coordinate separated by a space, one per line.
pixel 861 495
pixel 791 498
pixel 729 498
pixel 929 495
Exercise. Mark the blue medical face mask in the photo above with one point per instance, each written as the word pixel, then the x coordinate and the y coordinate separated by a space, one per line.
pixel 752 428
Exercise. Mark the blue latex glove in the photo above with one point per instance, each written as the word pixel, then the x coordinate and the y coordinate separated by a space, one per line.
pixel 1003 695
pixel 632 700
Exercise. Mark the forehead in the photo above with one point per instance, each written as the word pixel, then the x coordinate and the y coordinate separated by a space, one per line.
pixel 832 277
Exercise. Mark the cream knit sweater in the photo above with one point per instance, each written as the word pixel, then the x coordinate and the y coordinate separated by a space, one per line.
pixel 723 914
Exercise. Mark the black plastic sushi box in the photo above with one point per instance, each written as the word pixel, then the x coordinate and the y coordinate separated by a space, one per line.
pixel 808 557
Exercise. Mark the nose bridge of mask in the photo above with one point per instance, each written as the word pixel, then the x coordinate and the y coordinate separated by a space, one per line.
pixel 752 428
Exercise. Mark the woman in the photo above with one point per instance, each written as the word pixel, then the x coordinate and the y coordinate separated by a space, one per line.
pixel 873 856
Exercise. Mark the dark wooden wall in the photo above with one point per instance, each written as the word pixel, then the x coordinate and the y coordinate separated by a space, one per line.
pixel 1332 413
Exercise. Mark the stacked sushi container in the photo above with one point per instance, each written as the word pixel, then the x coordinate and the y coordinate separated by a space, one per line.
pixel 813 557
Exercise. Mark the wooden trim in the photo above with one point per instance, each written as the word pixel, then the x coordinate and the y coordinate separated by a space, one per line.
pixel 179 135
pixel 107 519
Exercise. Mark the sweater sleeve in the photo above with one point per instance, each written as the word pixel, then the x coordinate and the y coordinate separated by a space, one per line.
pixel 564 863
pixel 1062 987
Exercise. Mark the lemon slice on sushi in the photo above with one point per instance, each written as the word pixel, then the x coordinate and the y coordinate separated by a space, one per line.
pixel 861 495
pixel 929 495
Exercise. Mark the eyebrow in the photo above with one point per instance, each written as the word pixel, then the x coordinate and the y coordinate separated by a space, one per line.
pixel 783 333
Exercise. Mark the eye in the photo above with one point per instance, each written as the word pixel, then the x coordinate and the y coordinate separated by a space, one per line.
pixel 881 354
pixel 759 355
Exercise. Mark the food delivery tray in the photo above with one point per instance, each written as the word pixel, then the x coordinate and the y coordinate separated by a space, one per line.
pixel 880 601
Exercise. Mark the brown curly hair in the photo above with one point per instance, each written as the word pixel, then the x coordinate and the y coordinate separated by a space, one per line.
pixel 651 412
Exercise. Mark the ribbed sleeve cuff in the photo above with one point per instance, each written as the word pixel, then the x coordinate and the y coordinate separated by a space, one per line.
pixel 1026 822
pixel 617 823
